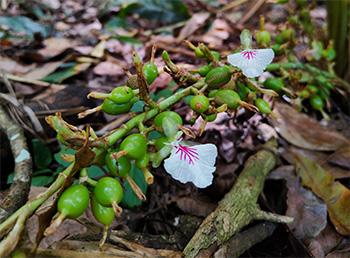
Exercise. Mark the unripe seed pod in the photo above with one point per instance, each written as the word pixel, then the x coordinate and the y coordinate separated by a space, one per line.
pixel 211 117
pixel 150 71
pixel 143 162
pixel 204 70
pixel 304 94
pixel 228 97
pixel 263 38
pixel 275 84
pixel 198 52
pixel 263 106
pixel 73 201
pixel 279 39
pixel 112 108
pixel 120 167
pixel 121 95
pixel 135 146
pixel 216 55
pixel 218 77
pixel 317 102
pixel 158 120
pixel 312 89
pixel 108 191
pixel 199 103
pixel 288 34
pixel 104 215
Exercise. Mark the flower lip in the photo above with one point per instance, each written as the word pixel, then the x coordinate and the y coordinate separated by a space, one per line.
pixel 195 163
pixel 249 54
pixel 187 153
pixel 252 62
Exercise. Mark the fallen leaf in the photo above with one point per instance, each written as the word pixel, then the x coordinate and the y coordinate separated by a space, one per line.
pixel 320 157
pixel 195 206
pixel 56 46
pixel 303 131
pixel 108 68
pixel 197 20
pixel 308 211
pixel 218 32
pixel 42 71
pixel 12 66
pixel 325 242
pixel 341 157
pixel 334 194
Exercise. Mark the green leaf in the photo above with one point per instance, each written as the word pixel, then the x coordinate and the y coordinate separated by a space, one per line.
pixel 95 172
pixel 165 93
pixel 138 106
pixel 63 74
pixel 130 200
pixel 43 172
pixel 116 22
pixel 23 25
pixel 129 40
pixel 42 180
pixel 63 150
pixel 163 11
pixel 42 154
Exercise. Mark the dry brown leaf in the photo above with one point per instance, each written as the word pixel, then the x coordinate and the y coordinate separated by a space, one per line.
pixel 11 66
pixel 321 158
pixel 308 211
pixel 195 206
pixel 56 46
pixel 341 157
pixel 303 131
pixel 42 71
pixel 197 20
pixel 326 241
pixel 218 32
pixel 108 68
pixel 334 194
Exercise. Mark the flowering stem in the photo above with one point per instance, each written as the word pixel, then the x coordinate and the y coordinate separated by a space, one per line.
pixel 135 121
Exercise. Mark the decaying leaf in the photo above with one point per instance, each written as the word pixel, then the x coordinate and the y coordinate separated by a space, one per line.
pixel 305 132
pixel 325 242
pixel 218 32
pixel 43 71
pixel 341 157
pixel 195 206
pixel 108 68
pixel 334 194
pixel 308 211
pixel 56 46
pixel 197 20
pixel 320 157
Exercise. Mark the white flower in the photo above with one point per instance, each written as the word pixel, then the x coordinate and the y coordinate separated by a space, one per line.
pixel 252 62
pixel 192 163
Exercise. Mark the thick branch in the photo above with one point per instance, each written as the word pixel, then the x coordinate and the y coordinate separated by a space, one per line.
pixel 239 206
pixel 19 190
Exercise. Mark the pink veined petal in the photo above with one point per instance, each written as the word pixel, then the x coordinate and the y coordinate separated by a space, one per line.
pixel 252 62
pixel 198 170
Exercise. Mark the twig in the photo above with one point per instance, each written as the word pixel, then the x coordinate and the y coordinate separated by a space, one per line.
pixel 251 11
pixel 19 190
pixel 239 206
pixel 243 241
